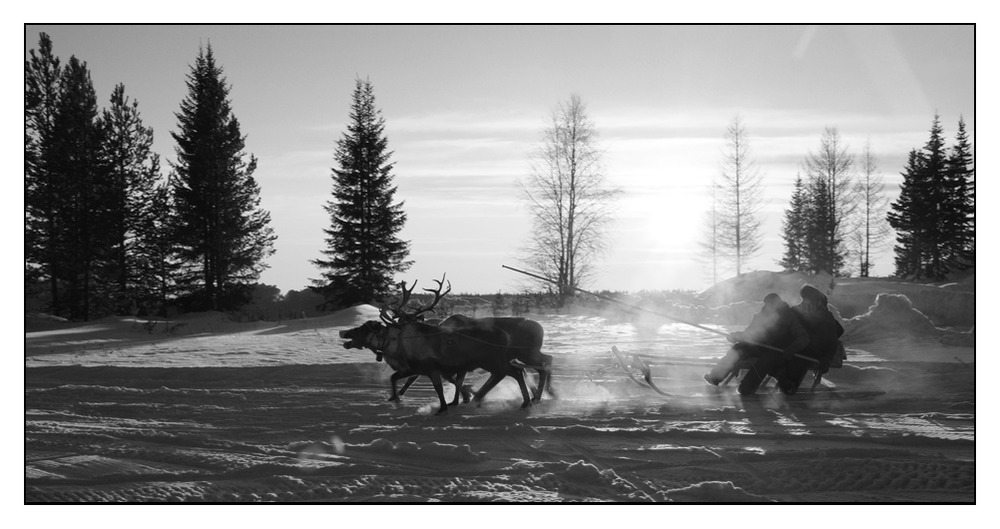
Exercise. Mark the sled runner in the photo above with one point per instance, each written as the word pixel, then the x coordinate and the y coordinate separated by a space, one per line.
pixel 635 367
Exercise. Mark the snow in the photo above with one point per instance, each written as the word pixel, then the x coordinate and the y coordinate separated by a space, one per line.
pixel 204 408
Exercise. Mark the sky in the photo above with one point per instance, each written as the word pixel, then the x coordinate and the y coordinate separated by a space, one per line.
pixel 465 105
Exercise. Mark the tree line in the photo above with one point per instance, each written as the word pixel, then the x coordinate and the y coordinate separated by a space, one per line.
pixel 105 233
pixel 839 216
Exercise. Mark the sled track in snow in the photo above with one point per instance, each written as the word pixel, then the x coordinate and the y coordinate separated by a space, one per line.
pixel 325 433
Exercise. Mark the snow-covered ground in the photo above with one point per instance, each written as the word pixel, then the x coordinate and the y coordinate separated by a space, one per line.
pixel 204 409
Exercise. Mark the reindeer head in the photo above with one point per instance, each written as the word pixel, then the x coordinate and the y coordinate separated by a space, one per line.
pixel 365 335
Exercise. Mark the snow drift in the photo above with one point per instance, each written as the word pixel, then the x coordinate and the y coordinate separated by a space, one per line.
pixel 893 315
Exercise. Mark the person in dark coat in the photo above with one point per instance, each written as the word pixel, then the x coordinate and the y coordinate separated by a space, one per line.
pixel 824 333
pixel 771 340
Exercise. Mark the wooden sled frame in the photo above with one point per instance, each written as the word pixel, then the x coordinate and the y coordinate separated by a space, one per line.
pixel 631 362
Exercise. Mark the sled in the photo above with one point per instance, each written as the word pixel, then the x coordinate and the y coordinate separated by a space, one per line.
pixel 637 370
pixel 836 362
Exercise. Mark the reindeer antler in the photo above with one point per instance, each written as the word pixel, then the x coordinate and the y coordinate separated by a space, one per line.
pixel 390 313
pixel 394 313
pixel 437 295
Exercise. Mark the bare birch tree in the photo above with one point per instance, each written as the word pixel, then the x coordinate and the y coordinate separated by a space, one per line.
pixel 711 253
pixel 740 185
pixel 872 231
pixel 568 198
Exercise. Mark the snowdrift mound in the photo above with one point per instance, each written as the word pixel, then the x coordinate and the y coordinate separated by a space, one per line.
pixel 39 321
pixel 891 314
pixel 753 286
pixel 348 317
pixel 201 322
pixel 947 305
pixel 894 315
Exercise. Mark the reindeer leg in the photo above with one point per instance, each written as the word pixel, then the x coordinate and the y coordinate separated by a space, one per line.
pixel 544 384
pixel 518 375
pixel 494 379
pixel 394 397
pixel 457 381
pixel 406 385
pixel 439 389
pixel 544 366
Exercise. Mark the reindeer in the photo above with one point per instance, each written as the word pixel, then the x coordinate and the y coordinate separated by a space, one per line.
pixel 375 335
pixel 526 344
pixel 413 347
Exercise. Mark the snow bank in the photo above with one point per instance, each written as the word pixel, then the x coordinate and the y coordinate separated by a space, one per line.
pixel 735 300
pixel 947 305
pixel 38 321
pixel 348 317
pixel 893 315
pixel 753 286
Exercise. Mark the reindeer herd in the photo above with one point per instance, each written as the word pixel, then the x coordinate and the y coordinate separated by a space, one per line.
pixel 447 350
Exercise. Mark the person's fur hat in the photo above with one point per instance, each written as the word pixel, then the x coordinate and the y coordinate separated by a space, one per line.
pixel 771 299
pixel 812 294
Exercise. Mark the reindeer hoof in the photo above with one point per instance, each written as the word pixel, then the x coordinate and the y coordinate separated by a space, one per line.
pixel 393 398
pixel 442 411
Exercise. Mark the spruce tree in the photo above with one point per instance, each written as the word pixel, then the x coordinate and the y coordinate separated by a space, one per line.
pixel 71 157
pixel 159 273
pixel 363 251
pixel 960 247
pixel 42 75
pixel 908 216
pixel 222 233
pixel 793 229
pixel 831 202
pixel 935 202
pixel 822 241
pixel 132 170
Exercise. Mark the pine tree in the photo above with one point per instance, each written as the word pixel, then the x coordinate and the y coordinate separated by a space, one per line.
pixel 935 199
pixel 42 75
pixel 70 156
pixel 822 239
pixel 223 235
pixel 362 247
pixel 158 275
pixel 793 229
pixel 908 217
pixel 934 215
pixel 960 246
pixel 132 171
pixel 831 203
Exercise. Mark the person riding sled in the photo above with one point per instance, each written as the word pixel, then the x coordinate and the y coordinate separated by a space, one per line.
pixel 824 340
pixel 770 342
